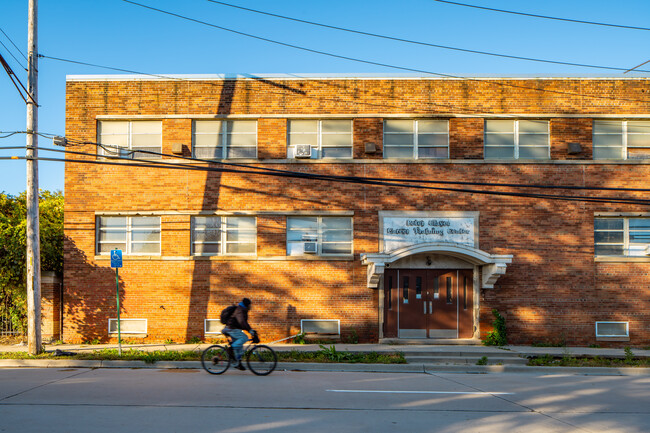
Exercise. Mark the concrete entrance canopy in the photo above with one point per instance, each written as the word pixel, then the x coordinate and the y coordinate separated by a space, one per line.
pixel 494 265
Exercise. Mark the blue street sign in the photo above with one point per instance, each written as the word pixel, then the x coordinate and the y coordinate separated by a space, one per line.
pixel 116 258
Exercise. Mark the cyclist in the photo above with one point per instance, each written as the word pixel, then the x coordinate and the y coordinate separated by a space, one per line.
pixel 237 323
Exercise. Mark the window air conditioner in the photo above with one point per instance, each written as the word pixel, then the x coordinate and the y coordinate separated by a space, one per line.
pixel 303 151
pixel 310 247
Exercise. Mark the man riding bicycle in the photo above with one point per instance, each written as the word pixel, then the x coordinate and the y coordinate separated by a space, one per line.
pixel 236 324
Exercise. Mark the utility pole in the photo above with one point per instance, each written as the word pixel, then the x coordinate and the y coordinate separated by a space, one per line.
pixel 33 226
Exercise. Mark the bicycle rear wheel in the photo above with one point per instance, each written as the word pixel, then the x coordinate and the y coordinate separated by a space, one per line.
pixel 261 360
pixel 215 359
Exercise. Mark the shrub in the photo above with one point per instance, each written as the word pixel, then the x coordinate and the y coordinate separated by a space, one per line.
pixel 497 337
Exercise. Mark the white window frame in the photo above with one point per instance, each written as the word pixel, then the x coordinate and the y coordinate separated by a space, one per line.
pixel 319 234
pixel 624 138
pixel 224 133
pixel 627 329
pixel 415 142
pixel 337 321
pixel 103 153
pixel 626 236
pixel 516 139
pixel 223 242
pixel 205 326
pixel 122 331
pixel 317 151
pixel 128 230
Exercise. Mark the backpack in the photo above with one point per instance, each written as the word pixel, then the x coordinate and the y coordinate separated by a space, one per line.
pixel 226 313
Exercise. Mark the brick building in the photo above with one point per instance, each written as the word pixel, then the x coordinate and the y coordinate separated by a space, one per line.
pixel 356 256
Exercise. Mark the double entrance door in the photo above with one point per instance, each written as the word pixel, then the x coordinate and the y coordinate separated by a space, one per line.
pixel 428 303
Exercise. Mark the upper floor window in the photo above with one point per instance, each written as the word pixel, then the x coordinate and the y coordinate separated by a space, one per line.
pixel 132 235
pixel 416 139
pixel 224 139
pixel 319 235
pixel 517 139
pixel 125 138
pixel 621 139
pixel 622 237
pixel 320 139
pixel 224 235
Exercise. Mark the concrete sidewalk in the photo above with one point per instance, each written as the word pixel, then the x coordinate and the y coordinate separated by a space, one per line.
pixel 522 351
pixel 421 358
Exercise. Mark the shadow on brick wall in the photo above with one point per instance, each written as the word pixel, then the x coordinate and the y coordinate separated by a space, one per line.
pixel 89 297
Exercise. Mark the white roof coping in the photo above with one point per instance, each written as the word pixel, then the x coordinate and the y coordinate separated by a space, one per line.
pixel 341 76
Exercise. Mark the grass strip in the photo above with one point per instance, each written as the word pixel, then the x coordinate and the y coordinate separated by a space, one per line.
pixel 587 361
pixel 322 356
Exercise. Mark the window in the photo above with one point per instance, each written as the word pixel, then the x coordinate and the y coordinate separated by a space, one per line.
pixel 127 326
pixel 211 234
pixel 227 139
pixel 612 329
pixel 622 237
pixel 132 235
pixel 124 138
pixel 516 139
pixel 417 139
pixel 327 138
pixel 333 235
pixel 621 139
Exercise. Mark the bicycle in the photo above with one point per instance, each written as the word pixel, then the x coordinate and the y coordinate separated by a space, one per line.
pixel 260 359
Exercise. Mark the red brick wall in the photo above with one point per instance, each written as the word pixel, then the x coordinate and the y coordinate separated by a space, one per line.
pixel 553 289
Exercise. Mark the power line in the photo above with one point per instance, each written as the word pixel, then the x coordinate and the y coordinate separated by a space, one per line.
pixel 544 16
pixel 355 101
pixel 637 66
pixel 11 54
pixel 248 166
pixel 12 43
pixel 402 183
pixel 427 44
pixel 369 62
pixel 43 56
pixel 16 81
pixel 159 164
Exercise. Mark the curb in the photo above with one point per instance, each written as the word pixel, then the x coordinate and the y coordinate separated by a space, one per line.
pixel 342 367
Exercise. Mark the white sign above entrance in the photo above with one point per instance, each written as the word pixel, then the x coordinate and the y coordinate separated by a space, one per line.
pixel 403 231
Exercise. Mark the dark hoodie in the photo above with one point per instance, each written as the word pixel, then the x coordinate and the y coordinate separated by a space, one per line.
pixel 239 318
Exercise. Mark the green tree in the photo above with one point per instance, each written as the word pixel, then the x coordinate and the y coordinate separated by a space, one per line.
pixel 13 220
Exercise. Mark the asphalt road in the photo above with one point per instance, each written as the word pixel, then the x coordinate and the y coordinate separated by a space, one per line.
pixel 129 400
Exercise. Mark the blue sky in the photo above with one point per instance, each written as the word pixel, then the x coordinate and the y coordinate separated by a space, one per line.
pixel 118 34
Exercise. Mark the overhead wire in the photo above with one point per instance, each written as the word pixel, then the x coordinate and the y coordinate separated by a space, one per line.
pixel 386 65
pixel 234 164
pixel 544 16
pixel 427 44
pixel 15 46
pixel 176 166
pixel 401 183
pixel 466 111
pixel 16 81
pixel 12 55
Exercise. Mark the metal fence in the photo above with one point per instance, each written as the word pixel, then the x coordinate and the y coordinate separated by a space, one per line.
pixel 7 327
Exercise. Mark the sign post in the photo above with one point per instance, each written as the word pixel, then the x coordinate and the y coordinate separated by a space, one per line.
pixel 116 262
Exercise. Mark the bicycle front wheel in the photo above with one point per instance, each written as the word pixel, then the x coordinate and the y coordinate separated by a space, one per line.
pixel 215 359
pixel 261 360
